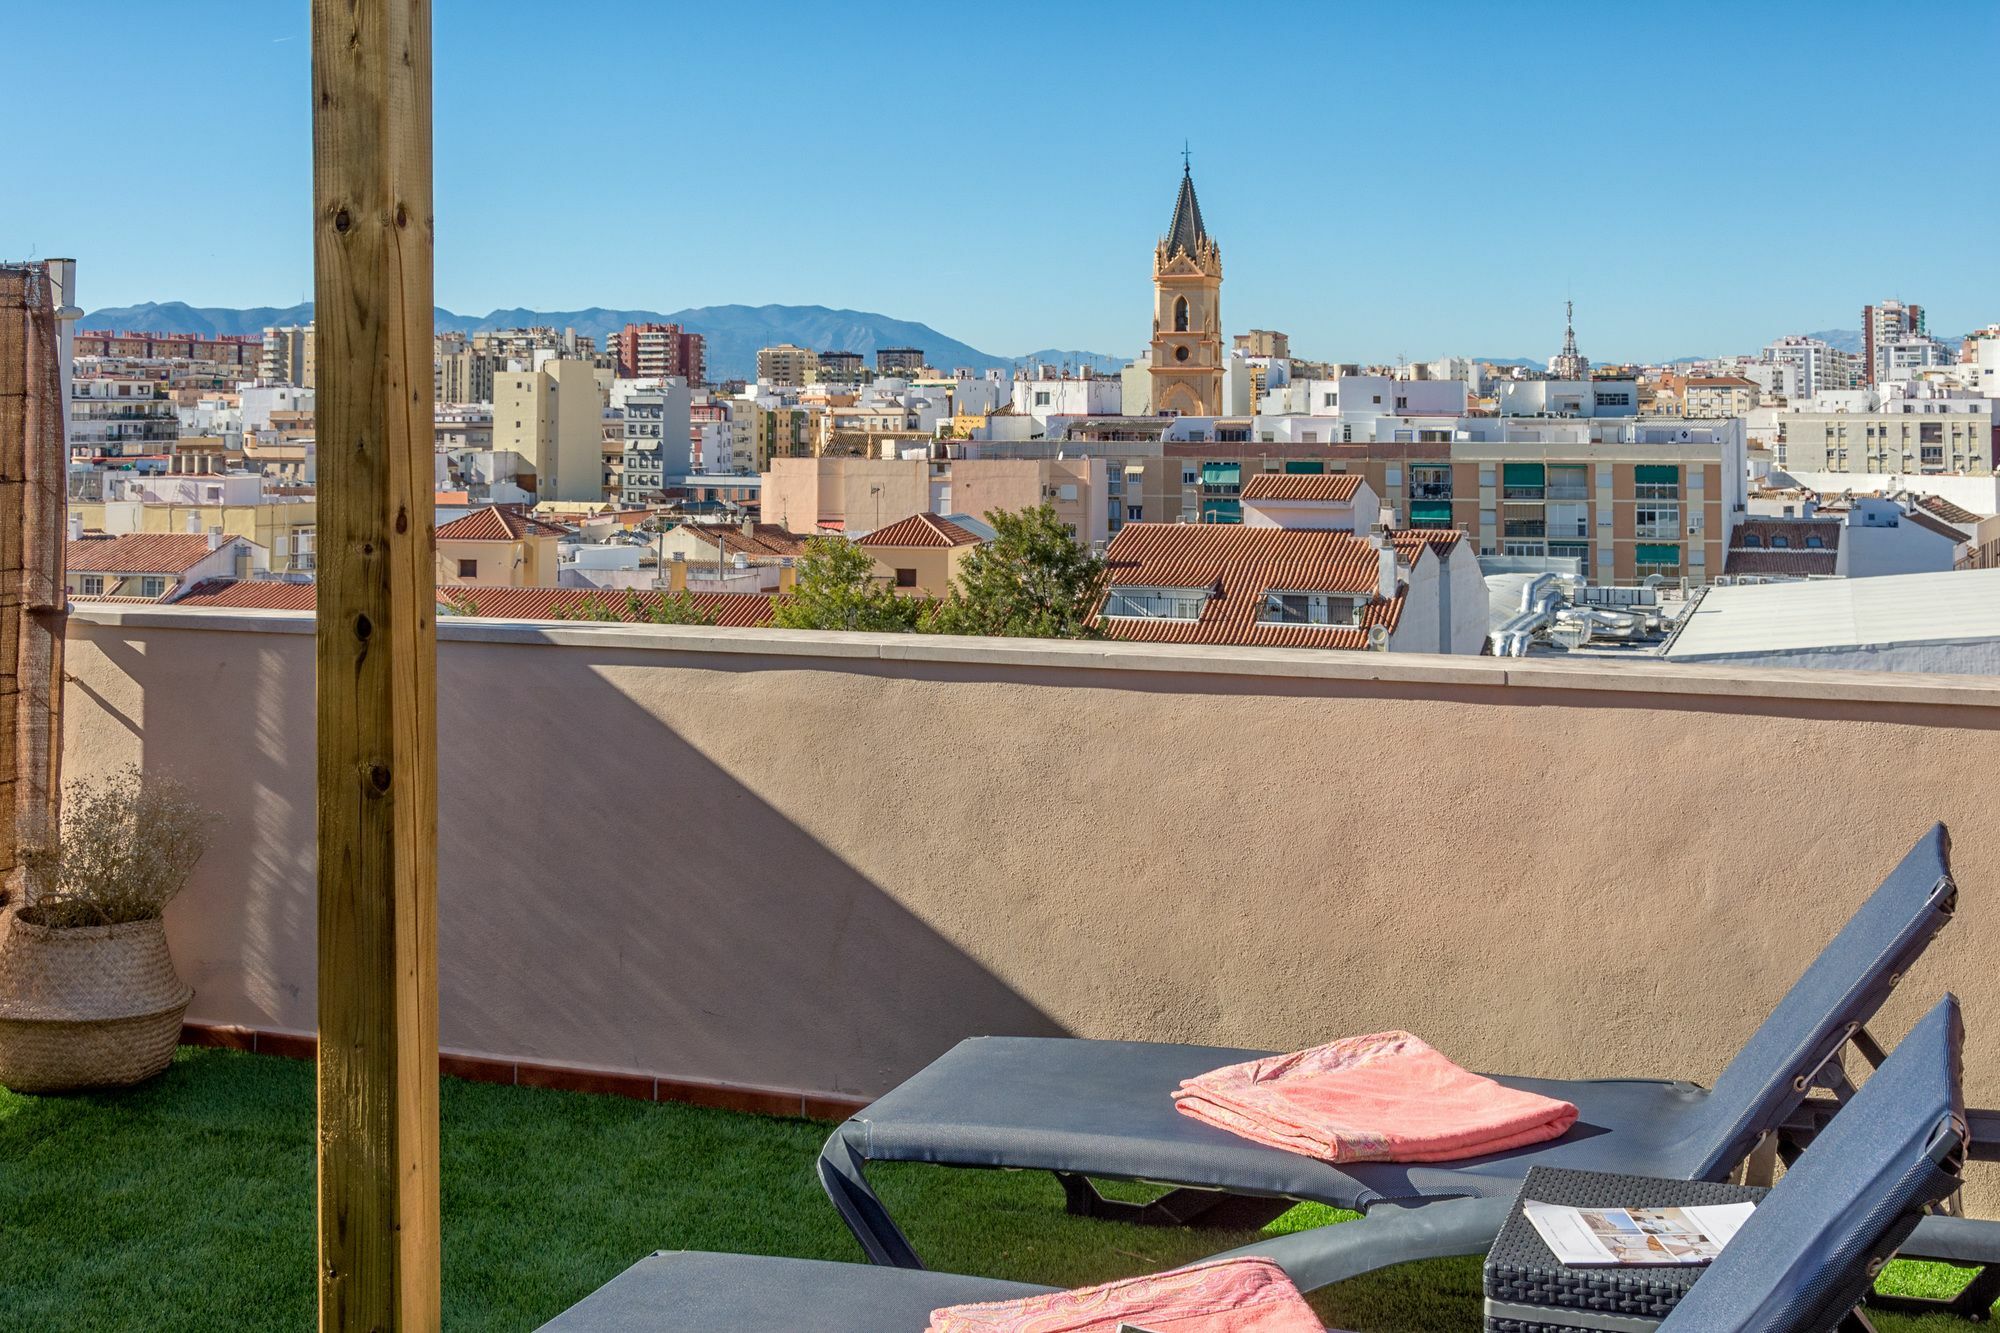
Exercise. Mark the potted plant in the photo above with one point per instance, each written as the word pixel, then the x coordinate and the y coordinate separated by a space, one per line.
pixel 88 993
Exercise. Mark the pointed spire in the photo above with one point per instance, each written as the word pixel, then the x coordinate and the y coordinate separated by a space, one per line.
pixel 1186 233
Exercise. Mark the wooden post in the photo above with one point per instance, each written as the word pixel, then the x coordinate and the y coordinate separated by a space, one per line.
pixel 33 486
pixel 377 662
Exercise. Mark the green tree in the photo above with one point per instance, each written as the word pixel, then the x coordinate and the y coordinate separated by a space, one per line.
pixel 1033 580
pixel 592 607
pixel 837 589
pixel 675 608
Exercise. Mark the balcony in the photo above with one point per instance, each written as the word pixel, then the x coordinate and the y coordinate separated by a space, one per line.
pixel 648 887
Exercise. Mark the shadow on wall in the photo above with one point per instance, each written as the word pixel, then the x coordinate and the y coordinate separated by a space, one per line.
pixel 608 896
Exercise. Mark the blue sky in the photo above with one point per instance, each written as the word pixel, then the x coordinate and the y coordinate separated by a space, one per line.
pixel 1414 179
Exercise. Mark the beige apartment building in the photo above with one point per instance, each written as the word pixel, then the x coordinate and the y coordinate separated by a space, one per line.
pixel 497 547
pixel 1626 509
pixel 554 418
pixel 787 365
pixel 921 555
pixel 1720 396
pixel 1959 440
pixel 862 495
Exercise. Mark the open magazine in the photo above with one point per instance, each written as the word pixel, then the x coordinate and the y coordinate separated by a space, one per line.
pixel 1583 1237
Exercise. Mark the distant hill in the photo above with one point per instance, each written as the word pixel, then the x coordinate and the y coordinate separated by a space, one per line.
pixel 1846 340
pixel 733 333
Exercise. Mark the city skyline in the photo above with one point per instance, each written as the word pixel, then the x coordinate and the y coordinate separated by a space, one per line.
pixel 1698 220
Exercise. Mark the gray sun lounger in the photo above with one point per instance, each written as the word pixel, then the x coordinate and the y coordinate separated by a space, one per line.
pixel 1799 1265
pixel 1104 1108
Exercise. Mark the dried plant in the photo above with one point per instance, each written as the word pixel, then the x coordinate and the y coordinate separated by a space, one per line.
pixel 129 842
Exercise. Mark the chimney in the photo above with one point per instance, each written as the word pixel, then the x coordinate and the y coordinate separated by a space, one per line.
pixel 76 527
pixel 1811 506
pixel 677 573
pixel 788 575
pixel 194 525
pixel 215 539
pixel 1385 562
pixel 749 528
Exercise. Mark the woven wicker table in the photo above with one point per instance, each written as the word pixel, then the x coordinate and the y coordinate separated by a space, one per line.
pixel 1529 1291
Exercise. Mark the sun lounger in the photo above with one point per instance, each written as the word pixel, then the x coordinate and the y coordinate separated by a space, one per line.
pixel 1105 1108
pixel 1798 1265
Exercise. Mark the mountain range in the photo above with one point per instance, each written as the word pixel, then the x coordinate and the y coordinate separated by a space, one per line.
pixel 731 333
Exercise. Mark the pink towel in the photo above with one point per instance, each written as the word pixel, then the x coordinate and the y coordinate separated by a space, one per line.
pixel 1389 1097
pixel 1229 1296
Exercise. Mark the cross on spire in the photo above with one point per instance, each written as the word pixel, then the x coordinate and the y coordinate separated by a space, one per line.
pixel 1186 170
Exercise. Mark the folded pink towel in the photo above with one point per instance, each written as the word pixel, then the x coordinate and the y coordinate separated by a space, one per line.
pixel 1228 1296
pixel 1389 1097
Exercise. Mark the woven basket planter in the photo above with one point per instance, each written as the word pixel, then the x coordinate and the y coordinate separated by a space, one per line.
pixel 86 1006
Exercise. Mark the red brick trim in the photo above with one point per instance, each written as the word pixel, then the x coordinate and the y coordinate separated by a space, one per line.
pixel 568 1078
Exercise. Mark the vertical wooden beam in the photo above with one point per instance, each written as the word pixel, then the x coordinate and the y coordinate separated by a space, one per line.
pixel 377 661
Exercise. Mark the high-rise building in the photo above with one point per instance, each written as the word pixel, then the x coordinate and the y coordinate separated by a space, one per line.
pixel 786 364
pixel 840 367
pixel 1821 367
pixel 287 356
pixel 898 360
pixel 658 352
pixel 1569 364
pixel 1186 368
pixel 1881 325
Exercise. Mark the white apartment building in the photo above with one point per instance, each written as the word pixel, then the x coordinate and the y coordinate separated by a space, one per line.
pixel 1818 366
pixel 1569 398
pixel 120 417
pixel 655 419
pixel 1067 396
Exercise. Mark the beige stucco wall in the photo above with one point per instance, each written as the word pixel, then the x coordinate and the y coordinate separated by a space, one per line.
pixel 816 861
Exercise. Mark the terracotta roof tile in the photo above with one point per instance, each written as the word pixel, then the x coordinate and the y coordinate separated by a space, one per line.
pixel 497 523
pixel 1245 563
pixel 255 594
pixel 1946 510
pixel 137 553
pixel 920 530
pixel 1795 562
pixel 769 540
pixel 1325 487
pixel 1932 523
pixel 1763 533
pixel 732 609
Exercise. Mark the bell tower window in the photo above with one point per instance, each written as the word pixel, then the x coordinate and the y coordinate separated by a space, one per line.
pixel 1180 314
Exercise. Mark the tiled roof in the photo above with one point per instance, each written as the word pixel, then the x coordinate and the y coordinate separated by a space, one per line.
pixel 1932 523
pixel 1442 540
pixel 764 539
pixel 1246 563
pixel 256 594
pixel 497 523
pixel 1946 510
pixel 1336 487
pixel 739 609
pixel 137 553
pixel 1794 531
pixel 1795 562
pixel 920 530
pixel 734 609
pixel 1720 382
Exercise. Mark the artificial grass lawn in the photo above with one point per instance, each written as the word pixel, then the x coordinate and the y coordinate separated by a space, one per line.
pixel 187 1204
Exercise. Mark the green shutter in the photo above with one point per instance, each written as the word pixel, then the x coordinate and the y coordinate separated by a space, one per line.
pixel 1668 553
pixel 1306 465
pixel 1221 474
pixel 1521 474
pixel 1657 474
pixel 1430 514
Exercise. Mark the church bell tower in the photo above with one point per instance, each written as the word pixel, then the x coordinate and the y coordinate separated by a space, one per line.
pixel 1187 313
